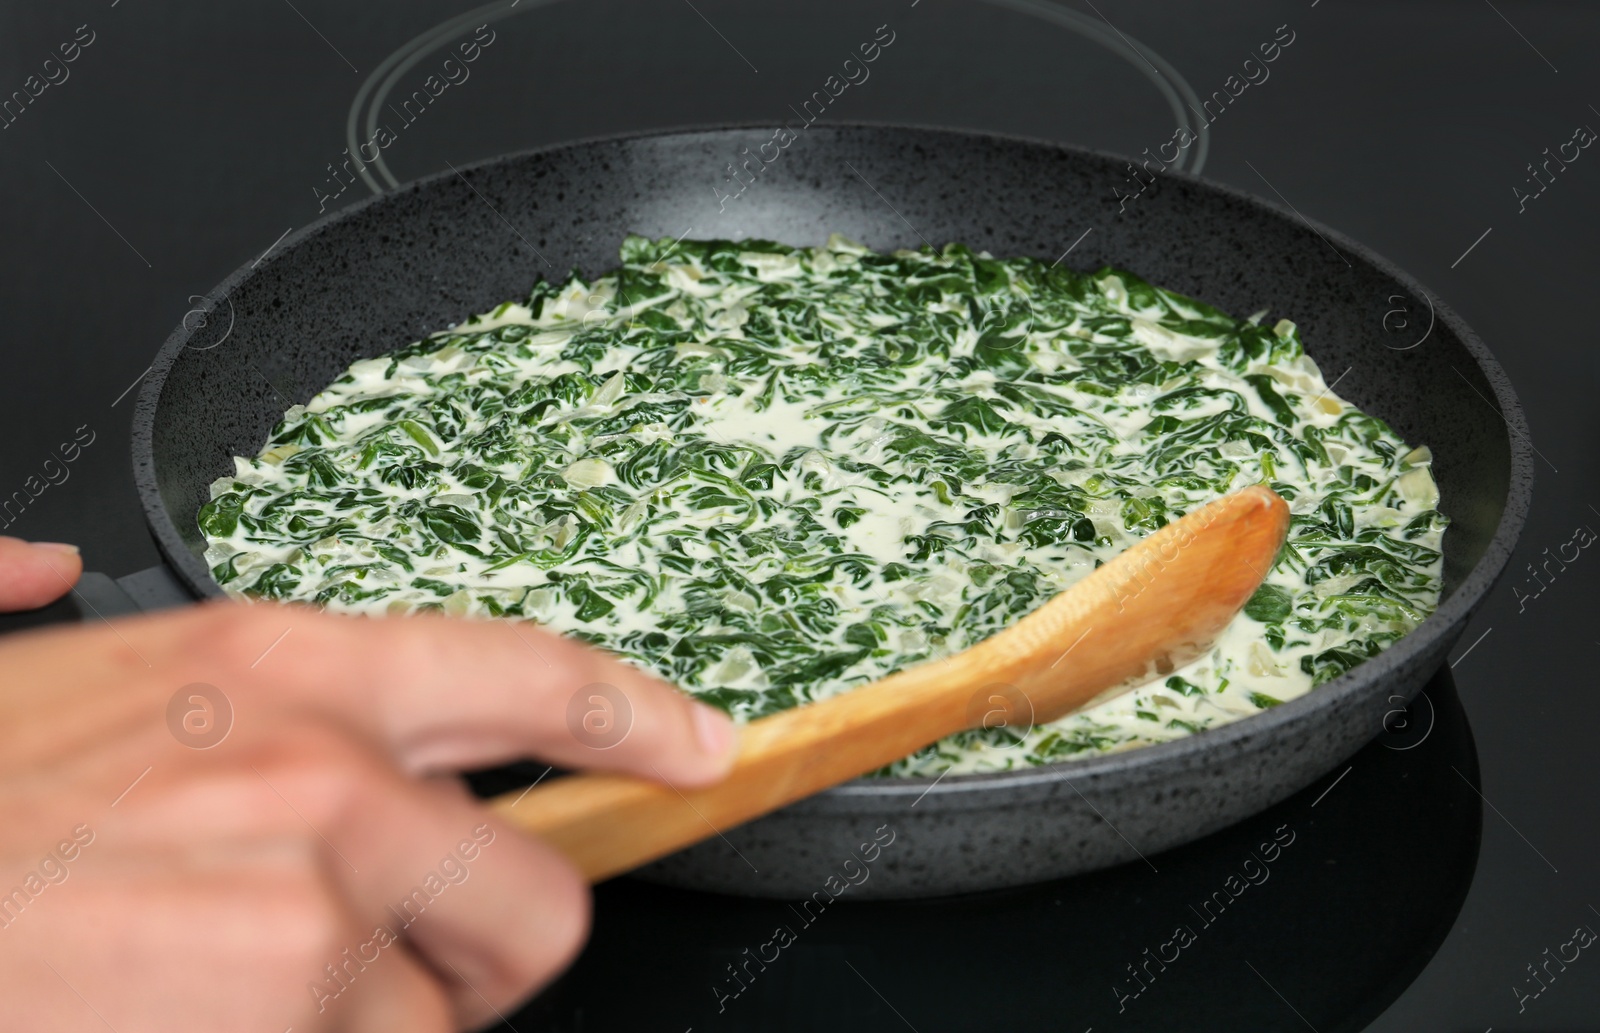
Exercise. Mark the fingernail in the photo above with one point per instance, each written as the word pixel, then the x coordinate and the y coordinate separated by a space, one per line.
pixel 56 546
pixel 713 728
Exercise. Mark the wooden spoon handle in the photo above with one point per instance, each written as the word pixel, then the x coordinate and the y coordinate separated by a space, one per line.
pixel 607 824
pixel 1140 615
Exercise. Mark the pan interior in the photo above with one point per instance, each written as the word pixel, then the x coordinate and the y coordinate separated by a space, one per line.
pixel 393 270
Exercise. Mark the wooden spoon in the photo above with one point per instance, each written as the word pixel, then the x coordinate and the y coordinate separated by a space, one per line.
pixel 1142 615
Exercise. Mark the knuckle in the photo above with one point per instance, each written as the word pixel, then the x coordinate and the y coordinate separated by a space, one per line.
pixel 322 770
pixel 426 1007
pixel 221 633
pixel 564 916
pixel 569 914
pixel 304 920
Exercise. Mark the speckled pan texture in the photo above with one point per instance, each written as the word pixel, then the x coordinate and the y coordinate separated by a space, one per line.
pixel 393 269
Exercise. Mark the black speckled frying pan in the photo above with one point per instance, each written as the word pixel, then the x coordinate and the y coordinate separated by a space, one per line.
pixel 395 268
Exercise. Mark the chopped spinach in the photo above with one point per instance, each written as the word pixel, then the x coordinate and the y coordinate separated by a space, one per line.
pixel 771 474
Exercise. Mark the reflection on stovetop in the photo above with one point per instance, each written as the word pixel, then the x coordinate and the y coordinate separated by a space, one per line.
pixel 1317 912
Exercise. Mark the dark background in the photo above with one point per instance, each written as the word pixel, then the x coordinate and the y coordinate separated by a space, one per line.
pixel 188 138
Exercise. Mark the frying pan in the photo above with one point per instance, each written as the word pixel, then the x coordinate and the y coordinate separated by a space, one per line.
pixel 395 268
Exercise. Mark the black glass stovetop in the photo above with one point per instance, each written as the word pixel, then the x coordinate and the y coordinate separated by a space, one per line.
pixel 1414 887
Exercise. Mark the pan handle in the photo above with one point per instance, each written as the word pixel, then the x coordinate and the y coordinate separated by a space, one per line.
pixel 143 591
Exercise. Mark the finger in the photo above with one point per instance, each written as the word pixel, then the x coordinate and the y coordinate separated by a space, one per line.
pixel 447 693
pixel 34 574
pixel 396 994
pixel 493 913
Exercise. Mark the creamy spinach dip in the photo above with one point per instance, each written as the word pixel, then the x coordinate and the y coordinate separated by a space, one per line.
pixel 769 474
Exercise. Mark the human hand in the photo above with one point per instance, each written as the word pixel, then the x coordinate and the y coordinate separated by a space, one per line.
pixel 159 878
pixel 35 574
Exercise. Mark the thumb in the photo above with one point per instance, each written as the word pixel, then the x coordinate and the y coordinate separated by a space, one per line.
pixel 33 574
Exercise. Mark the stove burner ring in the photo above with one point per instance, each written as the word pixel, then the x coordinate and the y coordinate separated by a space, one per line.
pixel 374 92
